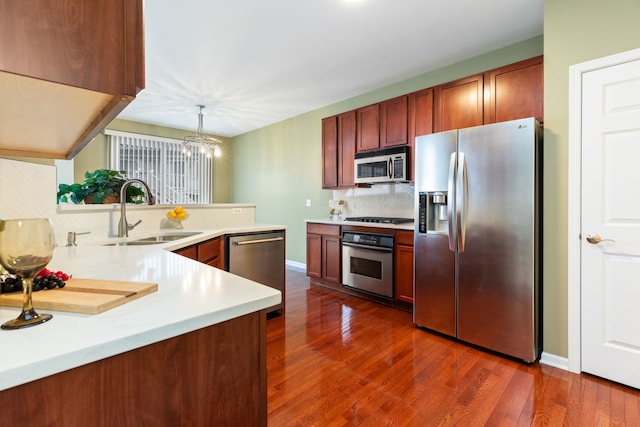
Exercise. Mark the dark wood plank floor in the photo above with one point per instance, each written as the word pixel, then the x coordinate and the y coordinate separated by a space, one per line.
pixel 338 360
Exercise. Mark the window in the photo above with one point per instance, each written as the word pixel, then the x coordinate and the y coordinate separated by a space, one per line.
pixel 173 176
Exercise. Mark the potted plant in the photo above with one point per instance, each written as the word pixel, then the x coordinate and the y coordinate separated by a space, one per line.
pixel 99 186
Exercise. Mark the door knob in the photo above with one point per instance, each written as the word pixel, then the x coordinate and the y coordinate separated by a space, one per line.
pixel 594 239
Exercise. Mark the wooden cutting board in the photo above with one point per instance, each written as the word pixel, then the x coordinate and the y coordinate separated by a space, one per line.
pixel 90 296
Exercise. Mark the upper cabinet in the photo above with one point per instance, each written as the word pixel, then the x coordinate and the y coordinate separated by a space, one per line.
pixel 511 92
pixel 394 127
pixel 67 68
pixel 459 104
pixel 338 150
pixel 514 92
pixel 330 152
pixel 368 127
pixel 507 93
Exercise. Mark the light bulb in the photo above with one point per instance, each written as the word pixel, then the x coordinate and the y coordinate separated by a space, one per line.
pixel 217 152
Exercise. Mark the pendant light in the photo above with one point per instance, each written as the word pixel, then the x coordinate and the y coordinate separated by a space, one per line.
pixel 203 143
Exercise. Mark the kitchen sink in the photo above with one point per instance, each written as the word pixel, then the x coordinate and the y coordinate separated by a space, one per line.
pixel 155 240
pixel 162 238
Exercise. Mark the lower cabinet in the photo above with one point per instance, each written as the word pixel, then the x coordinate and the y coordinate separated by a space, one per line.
pixel 403 254
pixel 208 252
pixel 213 376
pixel 324 248
pixel 324 260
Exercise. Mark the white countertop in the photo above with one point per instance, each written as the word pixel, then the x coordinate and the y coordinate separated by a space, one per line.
pixel 190 295
pixel 405 226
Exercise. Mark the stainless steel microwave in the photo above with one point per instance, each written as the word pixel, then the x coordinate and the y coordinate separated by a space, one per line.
pixel 380 166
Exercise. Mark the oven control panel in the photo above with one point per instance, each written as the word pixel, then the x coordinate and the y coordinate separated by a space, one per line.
pixel 368 239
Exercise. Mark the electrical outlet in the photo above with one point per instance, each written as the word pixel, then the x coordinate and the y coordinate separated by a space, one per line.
pixel 237 211
pixel 308 204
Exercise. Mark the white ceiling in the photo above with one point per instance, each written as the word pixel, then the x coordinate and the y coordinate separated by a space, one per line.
pixel 256 62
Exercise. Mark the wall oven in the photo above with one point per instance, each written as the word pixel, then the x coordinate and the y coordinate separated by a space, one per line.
pixel 367 262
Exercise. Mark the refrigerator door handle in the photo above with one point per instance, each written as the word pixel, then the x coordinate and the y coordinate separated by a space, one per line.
pixel 451 217
pixel 462 201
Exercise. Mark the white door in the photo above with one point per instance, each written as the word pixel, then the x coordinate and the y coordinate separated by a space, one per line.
pixel 610 270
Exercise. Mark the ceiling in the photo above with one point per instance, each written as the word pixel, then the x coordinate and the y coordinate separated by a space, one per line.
pixel 255 62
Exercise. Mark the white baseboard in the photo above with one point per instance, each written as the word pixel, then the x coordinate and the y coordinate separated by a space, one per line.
pixel 554 361
pixel 294 265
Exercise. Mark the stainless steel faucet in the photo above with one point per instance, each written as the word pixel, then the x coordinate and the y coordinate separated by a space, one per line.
pixel 123 225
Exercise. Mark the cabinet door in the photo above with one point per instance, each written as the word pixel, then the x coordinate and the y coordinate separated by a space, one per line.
pixel 189 252
pixel 404 273
pixel 394 118
pixel 314 255
pixel 459 104
pixel 60 42
pixel 368 124
pixel 346 149
pixel 515 91
pixel 331 250
pixel 420 120
pixel 330 152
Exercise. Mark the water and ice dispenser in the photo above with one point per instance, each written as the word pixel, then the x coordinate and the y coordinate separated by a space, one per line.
pixel 432 214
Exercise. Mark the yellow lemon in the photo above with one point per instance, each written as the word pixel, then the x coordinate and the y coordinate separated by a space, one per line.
pixel 181 215
pixel 178 209
pixel 171 214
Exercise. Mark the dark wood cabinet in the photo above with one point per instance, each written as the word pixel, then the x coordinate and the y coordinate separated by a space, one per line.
pixel 510 92
pixel 208 252
pixel 403 254
pixel 82 74
pixel 330 152
pixel 368 127
pixel 394 128
pixel 324 251
pixel 420 120
pixel 459 104
pixel 213 376
pixel 346 148
pixel 515 91
pixel 338 150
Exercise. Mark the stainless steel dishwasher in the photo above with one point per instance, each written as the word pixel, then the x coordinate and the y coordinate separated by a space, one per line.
pixel 259 257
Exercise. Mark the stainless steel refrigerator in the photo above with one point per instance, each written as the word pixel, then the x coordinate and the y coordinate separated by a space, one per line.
pixel 478 236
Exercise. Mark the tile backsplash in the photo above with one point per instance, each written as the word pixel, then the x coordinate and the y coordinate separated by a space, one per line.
pixel 386 200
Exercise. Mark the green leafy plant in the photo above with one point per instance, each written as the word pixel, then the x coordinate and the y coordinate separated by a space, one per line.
pixel 99 184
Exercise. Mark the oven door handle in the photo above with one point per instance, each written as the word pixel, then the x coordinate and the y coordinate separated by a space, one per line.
pixel 373 248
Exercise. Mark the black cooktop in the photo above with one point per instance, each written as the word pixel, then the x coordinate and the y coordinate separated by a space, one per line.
pixel 379 219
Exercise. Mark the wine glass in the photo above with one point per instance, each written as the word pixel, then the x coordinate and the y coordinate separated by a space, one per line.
pixel 26 247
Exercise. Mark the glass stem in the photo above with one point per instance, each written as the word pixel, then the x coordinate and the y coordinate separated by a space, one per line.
pixel 27 303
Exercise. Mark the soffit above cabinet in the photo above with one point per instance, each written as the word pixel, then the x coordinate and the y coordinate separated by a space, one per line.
pixel 44 119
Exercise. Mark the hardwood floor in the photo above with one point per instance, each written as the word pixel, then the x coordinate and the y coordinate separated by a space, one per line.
pixel 338 360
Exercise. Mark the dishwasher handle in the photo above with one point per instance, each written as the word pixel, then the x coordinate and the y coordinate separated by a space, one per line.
pixel 253 242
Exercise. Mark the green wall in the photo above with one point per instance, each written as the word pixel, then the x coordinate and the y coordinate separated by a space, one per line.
pixel 574 31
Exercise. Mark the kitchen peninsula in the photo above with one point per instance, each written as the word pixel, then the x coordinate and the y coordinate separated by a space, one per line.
pixel 192 353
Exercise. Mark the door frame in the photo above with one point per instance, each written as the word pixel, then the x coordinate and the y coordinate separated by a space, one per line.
pixel 574 197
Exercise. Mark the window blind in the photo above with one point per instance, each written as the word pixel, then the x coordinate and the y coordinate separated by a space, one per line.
pixel 173 176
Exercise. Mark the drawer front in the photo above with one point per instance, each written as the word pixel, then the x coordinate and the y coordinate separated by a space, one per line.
pixel 331 230
pixel 404 238
pixel 209 250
